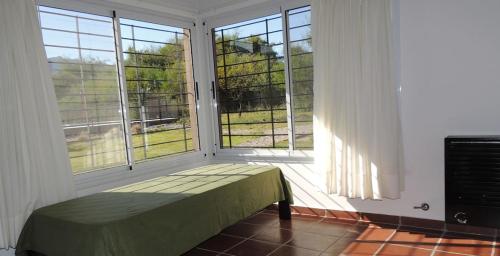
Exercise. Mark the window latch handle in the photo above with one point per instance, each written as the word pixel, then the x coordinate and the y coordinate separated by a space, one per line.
pixel 197 91
pixel 213 90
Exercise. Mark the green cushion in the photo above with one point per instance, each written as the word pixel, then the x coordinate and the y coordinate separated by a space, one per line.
pixel 167 215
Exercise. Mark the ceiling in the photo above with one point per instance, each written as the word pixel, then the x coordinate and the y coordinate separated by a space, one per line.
pixel 189 8
pixel 198 6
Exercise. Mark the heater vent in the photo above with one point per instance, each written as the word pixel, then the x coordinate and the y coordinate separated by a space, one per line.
pixel 472 180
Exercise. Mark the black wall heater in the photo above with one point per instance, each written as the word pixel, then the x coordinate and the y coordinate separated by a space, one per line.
pixel 472 180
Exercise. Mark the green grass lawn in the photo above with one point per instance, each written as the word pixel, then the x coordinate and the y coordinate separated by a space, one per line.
pixel 108 150
pixel 259 129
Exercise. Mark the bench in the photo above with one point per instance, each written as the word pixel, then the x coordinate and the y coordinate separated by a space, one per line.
pixel 167 215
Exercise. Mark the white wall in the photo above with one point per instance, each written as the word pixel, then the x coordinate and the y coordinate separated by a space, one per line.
pixel 450 64
pixel 450 71
pixel 7 252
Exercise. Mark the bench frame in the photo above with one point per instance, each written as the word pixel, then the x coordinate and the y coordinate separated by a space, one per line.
pixel 284 210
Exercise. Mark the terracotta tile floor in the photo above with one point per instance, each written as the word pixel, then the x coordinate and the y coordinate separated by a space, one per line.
pixel 265 234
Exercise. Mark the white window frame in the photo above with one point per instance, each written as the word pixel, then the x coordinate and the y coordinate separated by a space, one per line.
pixel 240 15
pixel 156 20
pixel 99 179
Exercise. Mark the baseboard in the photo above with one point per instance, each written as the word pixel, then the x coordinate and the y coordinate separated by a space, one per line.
pixel 391 220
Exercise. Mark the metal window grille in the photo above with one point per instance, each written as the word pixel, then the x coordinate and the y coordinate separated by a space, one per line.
pixel 301 75
pixel 251 84
pixel 157 62
pixel 81 55
pixel 160 89
pixel 250 77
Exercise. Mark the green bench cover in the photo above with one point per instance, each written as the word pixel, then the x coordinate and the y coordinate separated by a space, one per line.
pixel 167 215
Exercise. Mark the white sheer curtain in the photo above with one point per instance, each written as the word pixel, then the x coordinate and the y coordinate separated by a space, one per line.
pixel 34 165
pixel 357 134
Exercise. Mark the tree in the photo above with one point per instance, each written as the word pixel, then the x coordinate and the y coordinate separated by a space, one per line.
pixel 248 74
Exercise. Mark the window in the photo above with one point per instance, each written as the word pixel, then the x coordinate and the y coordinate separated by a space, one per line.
pixel 159 84
pixel 251 83
pixel 301 75
pixel 159 75
pixel 81 54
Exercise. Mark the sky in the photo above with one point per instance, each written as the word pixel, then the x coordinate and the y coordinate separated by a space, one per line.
pixel 57 25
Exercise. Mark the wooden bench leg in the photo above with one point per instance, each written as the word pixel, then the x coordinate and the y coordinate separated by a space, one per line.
pixel 284 210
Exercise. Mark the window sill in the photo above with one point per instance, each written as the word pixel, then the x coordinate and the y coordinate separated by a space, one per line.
pixel 266 155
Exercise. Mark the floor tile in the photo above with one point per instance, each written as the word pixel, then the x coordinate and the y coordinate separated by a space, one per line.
pixel 440 253
pixel 266 235
pixel 308 211
pixel 329 228
pixel 342 221
pixel 199 252
pixel 416 238
pixel 294 251
pixel 496 250
pixel 243 229
pixel 342 215
pixel 274 234
pixel 380 218
pixel 345 254
pixel 253 248
pixel 466 245
pixel 273 212
pixel 262 219
pixel 297 223
pixel 362 248
pixel 376 234
pixel 339 245
pixel 220 243
pixel 312 241
pixel 356 230
pixel 396 250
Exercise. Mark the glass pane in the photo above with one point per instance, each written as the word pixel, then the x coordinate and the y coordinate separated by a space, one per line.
pixel 56 21
pixel 301 47
pixel 65 55
pixel 86 87
pixel 128 46
pixel 73 14
pixel 301 75
pixel 251 84
pixel 276 141
pixel 95 27
pixel 300 33
pixel 97 42
pixel 58 38
pixel 102 57
pixel 299 17
pixel 160 87
pixel 275 38
pixel 275 24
